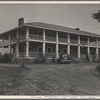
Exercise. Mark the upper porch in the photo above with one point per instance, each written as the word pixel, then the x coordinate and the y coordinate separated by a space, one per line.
pixel 41 35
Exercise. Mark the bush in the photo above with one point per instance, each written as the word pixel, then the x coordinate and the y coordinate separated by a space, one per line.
pixel 94 58
pixel 87 58
pixel 36 60
pixel 40 58
pixel 53 59
pixel 6 58
pixel 98 68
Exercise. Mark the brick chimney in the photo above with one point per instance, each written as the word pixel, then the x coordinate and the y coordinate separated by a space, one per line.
pixel 77 28
pixel 20 21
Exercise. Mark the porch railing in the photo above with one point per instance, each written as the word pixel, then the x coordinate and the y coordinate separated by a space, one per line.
pixel 22 37
pixel 92 43
pixel 1 42
pixel 13 40
pixel 93 56
pixel 49 38
pixel 21 54
pixel 5 42
pixel 34 54
pixel 62 40
pixel 99 43
pixel 50 55
pixel 74 41
pixel 84 42
pixel 83 56
pixel 36 37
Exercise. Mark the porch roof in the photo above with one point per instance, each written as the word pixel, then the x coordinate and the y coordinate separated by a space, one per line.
pixel 60 28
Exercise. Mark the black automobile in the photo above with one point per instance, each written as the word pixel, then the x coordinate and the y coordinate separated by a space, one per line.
pixel 64 58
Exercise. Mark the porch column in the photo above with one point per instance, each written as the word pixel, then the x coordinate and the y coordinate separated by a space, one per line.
pixel 44 35
pixel 3 39
pixel 79 52
pixel 27 48
pixel 9 48
pixel 17 44
pixel 27 32
pixel 88 51
pixel 3 49
pixel 9 38
pixel 17 50
pixel 88 48
pixel 43 48
pixel 68 49
pixel 68 38
pixel 27 41
pixel 78 39
pixel 88 41
pixel 97 41
pixel 97 53
pixel 57 36
pixel 57 50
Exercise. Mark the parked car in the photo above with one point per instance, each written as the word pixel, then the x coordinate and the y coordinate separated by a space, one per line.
pixel 64 58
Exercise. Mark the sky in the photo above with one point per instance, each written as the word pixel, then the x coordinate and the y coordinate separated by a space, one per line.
pixel 69 15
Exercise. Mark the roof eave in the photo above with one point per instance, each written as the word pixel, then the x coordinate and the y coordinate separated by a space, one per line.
pixel 11 30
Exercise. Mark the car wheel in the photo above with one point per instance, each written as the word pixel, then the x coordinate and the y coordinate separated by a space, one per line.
pixel 68 62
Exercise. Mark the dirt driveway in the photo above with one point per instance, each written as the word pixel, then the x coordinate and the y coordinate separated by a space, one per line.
pixel 53 79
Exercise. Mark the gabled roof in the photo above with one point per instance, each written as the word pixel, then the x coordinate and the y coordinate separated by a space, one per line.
pixel 60 28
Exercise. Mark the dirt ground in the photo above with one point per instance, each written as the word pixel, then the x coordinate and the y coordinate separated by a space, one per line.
pixel 49 79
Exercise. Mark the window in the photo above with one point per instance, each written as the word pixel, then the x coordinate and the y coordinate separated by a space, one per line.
pixel 39 48
pixel 49 49
pixel 84 52
pixel 31 48
pixel 71 52
pixel 64 50
pixel 49 34
pixel 39 32
pixel 92 52
pixel 64 36
pixel 59 51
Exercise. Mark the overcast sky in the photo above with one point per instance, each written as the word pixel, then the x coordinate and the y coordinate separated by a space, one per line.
pixel 69 15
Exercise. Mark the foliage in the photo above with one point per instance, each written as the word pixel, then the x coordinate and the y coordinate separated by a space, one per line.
pixel 41 58
pixel 96 15
pixel 53 59
pixel 5 58
pixel 98 68
pixel 94 58
pixel 87 57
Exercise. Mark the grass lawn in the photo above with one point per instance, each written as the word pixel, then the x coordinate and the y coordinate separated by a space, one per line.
pixel 45 79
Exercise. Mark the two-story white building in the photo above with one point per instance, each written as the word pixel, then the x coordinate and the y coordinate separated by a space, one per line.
pixel 30 39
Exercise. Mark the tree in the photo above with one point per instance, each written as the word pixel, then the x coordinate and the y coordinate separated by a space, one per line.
pixel 96 15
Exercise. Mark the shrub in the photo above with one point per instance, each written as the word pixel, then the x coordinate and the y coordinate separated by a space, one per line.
pixel 98 68
pixel 40 58
pixel 87 58
pixel 94 58
pixel 6 58
pixel 36 60
pixel 53 59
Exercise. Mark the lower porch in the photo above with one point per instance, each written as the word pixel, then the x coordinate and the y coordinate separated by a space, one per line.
pixel 50 50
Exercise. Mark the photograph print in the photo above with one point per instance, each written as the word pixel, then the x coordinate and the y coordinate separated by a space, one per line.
pixel 49 49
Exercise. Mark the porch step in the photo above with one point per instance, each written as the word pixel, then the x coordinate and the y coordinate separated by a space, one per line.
pixel 79 60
